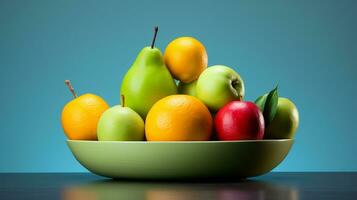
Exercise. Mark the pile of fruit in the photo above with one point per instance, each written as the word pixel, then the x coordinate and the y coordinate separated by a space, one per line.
pixel 206 104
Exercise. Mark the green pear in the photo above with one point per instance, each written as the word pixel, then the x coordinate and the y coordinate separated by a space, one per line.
pixel 147 81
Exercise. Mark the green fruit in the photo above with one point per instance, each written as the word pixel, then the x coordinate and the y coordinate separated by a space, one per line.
pixel 187 88
pixel 285 121
pixel 218 85
pixel 120 124
pixel 147 81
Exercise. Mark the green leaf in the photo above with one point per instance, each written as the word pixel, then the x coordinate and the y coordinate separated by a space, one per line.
pixel 271 104
pixel 260 102
pixel 268 104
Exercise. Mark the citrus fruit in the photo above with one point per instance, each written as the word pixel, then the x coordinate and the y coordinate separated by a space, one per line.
pixel 81 115
pixel 186 58
pixel 178 118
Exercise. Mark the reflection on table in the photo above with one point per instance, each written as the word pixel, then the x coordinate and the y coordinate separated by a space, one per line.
pixel 247 189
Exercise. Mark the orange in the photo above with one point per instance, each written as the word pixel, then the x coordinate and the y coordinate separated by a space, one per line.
pixel 178 118
pixel 186 58
pixel 81 115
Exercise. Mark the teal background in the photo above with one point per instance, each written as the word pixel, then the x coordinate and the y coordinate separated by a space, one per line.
pixel 309 48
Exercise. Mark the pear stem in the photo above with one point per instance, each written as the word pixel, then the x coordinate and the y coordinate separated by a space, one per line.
pixel 155 34
pixel 68 83
pixel 122 101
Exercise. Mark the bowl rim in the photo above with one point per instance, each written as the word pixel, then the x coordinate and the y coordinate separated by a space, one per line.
pixel 180 142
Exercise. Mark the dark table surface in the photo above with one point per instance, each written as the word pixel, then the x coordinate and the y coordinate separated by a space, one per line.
pixel 70 186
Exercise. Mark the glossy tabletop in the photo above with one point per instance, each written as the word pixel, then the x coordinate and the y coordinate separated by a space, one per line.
pixel 70 186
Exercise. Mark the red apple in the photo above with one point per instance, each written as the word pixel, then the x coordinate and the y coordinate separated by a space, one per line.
pixel 239 120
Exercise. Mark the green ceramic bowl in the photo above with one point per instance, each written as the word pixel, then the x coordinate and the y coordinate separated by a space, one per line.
pixel 180 160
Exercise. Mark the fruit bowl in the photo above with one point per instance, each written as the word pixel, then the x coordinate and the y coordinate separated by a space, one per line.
pixel 180 160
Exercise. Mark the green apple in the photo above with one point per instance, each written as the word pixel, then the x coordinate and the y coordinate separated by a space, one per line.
pixel 218 85
pixel 120 124
pixel 187 88
pixel 285 121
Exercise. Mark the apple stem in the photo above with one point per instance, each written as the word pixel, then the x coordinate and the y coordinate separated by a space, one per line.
pixel 122 100
pixel 68 83
pixel 155 33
